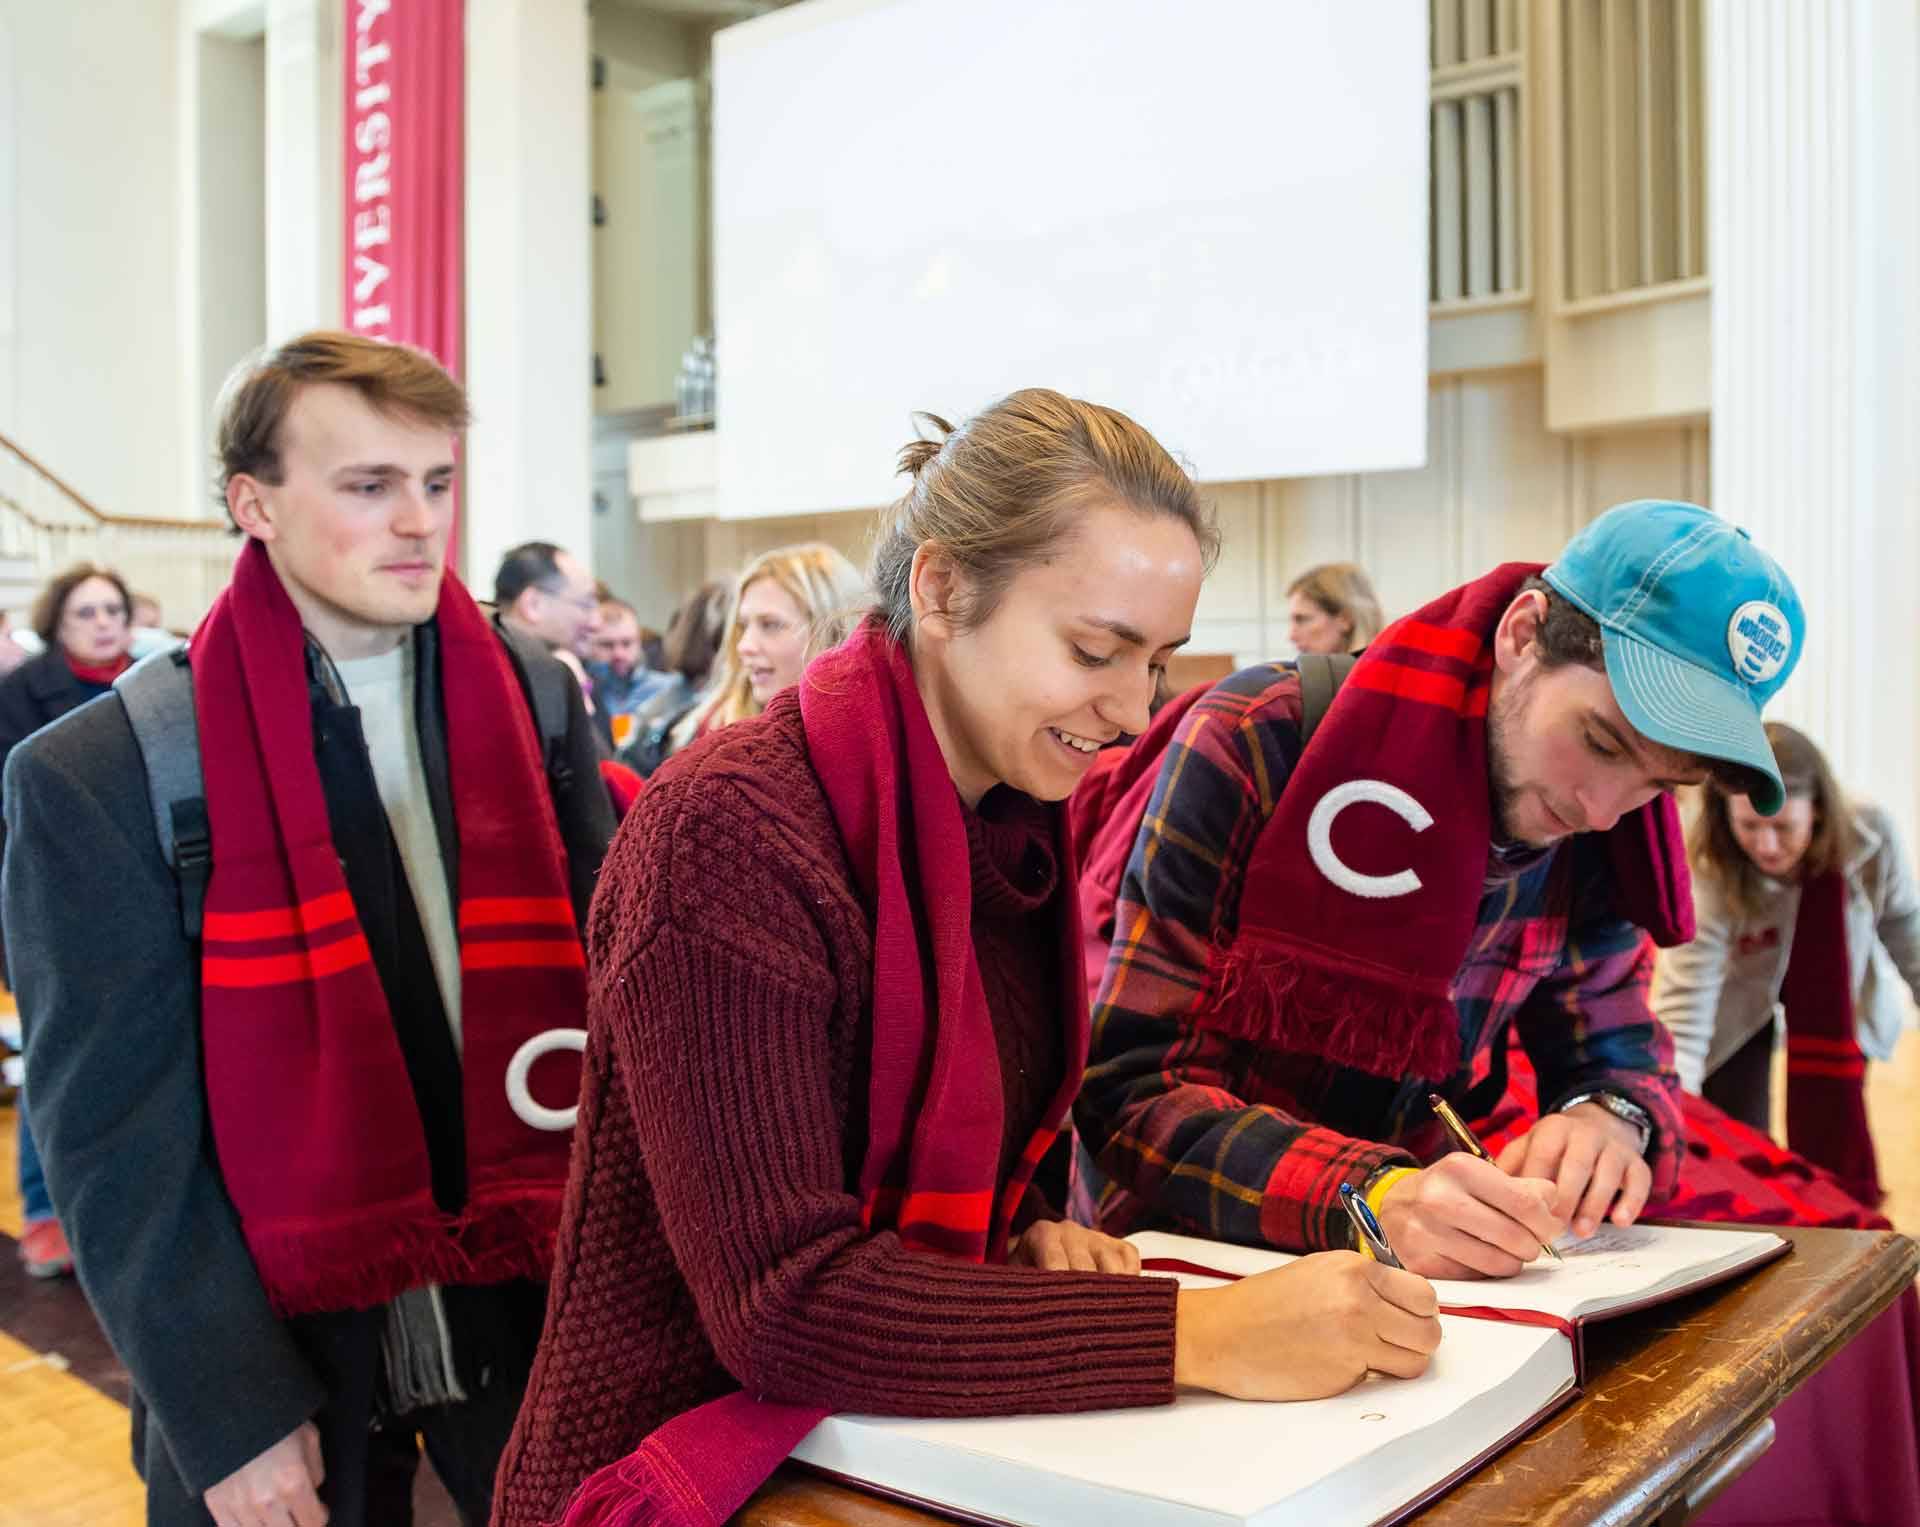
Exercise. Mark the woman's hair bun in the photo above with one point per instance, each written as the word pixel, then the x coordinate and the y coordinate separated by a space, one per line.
pixel 919 451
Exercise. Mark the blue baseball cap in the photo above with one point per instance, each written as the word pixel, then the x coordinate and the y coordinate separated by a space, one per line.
pixel 1700 627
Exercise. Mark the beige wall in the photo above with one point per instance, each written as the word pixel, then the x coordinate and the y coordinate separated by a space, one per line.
pixel 91 354
pixel 1497 487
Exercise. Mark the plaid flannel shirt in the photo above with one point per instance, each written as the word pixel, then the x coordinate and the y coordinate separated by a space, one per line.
pixel 1185 1127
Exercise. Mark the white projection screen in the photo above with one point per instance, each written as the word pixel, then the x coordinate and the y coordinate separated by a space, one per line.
pixel 1211 214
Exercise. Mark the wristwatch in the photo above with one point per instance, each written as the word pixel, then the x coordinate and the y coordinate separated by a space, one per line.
pixel 1621 1108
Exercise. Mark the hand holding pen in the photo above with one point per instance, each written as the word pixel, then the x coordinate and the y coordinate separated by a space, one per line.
pixel 1463 1217
pixel 1456 1128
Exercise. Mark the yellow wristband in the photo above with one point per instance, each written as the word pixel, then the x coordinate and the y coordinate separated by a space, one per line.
pixel 1375 1195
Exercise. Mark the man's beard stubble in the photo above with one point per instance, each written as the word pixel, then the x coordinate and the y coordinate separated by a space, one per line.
pixel 1504 717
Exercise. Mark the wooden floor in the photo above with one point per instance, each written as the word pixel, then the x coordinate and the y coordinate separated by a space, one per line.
pixel 63 1441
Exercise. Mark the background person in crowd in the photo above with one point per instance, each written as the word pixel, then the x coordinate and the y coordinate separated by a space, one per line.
pixel 302 1202
pixel 788 606
pixel 799 910
pixel 653 649
pixel 688 652
pixel 1812 912
pixel 546 593
pixel 12 653
pixel 1332 608
pixel 1307 940
pixel 150 635
pixel 622 681
pixel 81 618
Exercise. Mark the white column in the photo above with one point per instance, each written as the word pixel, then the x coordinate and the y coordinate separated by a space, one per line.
pixel 528 301
pixel 1813 177
pixel 304 157
pixel 222 238
pixel 9 227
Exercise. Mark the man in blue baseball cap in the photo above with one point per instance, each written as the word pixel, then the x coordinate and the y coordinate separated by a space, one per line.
pixel 1314 898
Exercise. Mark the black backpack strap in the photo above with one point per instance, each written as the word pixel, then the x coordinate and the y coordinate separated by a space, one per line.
pixel 157 694
pixel 1321 675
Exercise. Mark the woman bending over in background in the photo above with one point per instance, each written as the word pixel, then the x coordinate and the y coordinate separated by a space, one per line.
pixel 1814 913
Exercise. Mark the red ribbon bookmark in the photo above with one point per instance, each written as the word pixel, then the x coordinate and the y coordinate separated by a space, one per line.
pixel 1469 1311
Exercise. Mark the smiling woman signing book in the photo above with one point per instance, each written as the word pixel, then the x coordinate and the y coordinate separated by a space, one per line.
pixel 837 1018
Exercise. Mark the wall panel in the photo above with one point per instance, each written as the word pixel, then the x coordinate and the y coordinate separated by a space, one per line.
pixel 1497 487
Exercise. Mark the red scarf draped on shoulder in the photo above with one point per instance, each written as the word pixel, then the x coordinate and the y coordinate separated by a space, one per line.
pixel 314 1120
pixel 1360 895
pixel 935 1111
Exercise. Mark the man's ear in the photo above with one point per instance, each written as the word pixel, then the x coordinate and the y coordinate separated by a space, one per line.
pixel 1515 637
pixel 247 503
pixel 934 586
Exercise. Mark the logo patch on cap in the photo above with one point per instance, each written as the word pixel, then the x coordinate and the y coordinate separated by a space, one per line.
pixel 1760 641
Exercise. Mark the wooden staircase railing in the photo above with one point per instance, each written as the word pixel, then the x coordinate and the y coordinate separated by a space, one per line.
pixel 47 524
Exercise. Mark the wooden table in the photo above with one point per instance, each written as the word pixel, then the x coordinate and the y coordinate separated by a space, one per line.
pixel 1676 1402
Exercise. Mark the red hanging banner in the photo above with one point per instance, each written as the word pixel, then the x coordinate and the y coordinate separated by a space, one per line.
pixel 405 189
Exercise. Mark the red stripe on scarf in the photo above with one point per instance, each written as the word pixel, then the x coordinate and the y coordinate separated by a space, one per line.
pixel 1816 1044
pixel 493 911
pixel 1845 1070
pixel 1441 641
pixel 278 969
pixel 1418 684
pixel 321 912
pixel 342 1215
pixel 934 1100
pixel 1352 926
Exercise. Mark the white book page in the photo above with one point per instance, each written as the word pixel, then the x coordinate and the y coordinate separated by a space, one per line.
pixel 1354 1457
pixel 1614 1267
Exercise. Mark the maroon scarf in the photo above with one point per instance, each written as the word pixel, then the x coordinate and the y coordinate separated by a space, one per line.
pixel 1826 1068
pixel 1361 893
pixel 319 1139
pixel 935 1111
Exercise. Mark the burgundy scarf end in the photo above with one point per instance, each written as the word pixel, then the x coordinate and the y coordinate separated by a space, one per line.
pixel 311 1268
pixel 625 1494
pixel 1348 1016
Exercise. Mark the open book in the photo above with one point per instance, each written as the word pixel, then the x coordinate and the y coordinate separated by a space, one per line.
pixel 1370 1456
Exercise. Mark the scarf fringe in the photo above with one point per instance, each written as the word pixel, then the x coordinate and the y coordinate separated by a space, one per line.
pixel 1293 999
pixel 634 1491
pixel 623 1495
pixel 366 1261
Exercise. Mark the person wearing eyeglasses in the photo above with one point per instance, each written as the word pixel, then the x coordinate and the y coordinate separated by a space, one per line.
pixel 547 593
pixel 81 618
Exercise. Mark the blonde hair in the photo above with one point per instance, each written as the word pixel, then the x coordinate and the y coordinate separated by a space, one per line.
pixel 832 597
pixel 998 493
pixel 1345 592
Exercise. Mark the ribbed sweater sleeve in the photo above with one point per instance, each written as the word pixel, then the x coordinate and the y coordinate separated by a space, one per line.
pixel 723 1028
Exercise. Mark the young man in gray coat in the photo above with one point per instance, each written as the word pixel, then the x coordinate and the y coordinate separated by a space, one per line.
pixel 310 1199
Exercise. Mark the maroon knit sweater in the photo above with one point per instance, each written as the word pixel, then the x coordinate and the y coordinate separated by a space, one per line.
pixel 710 1238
